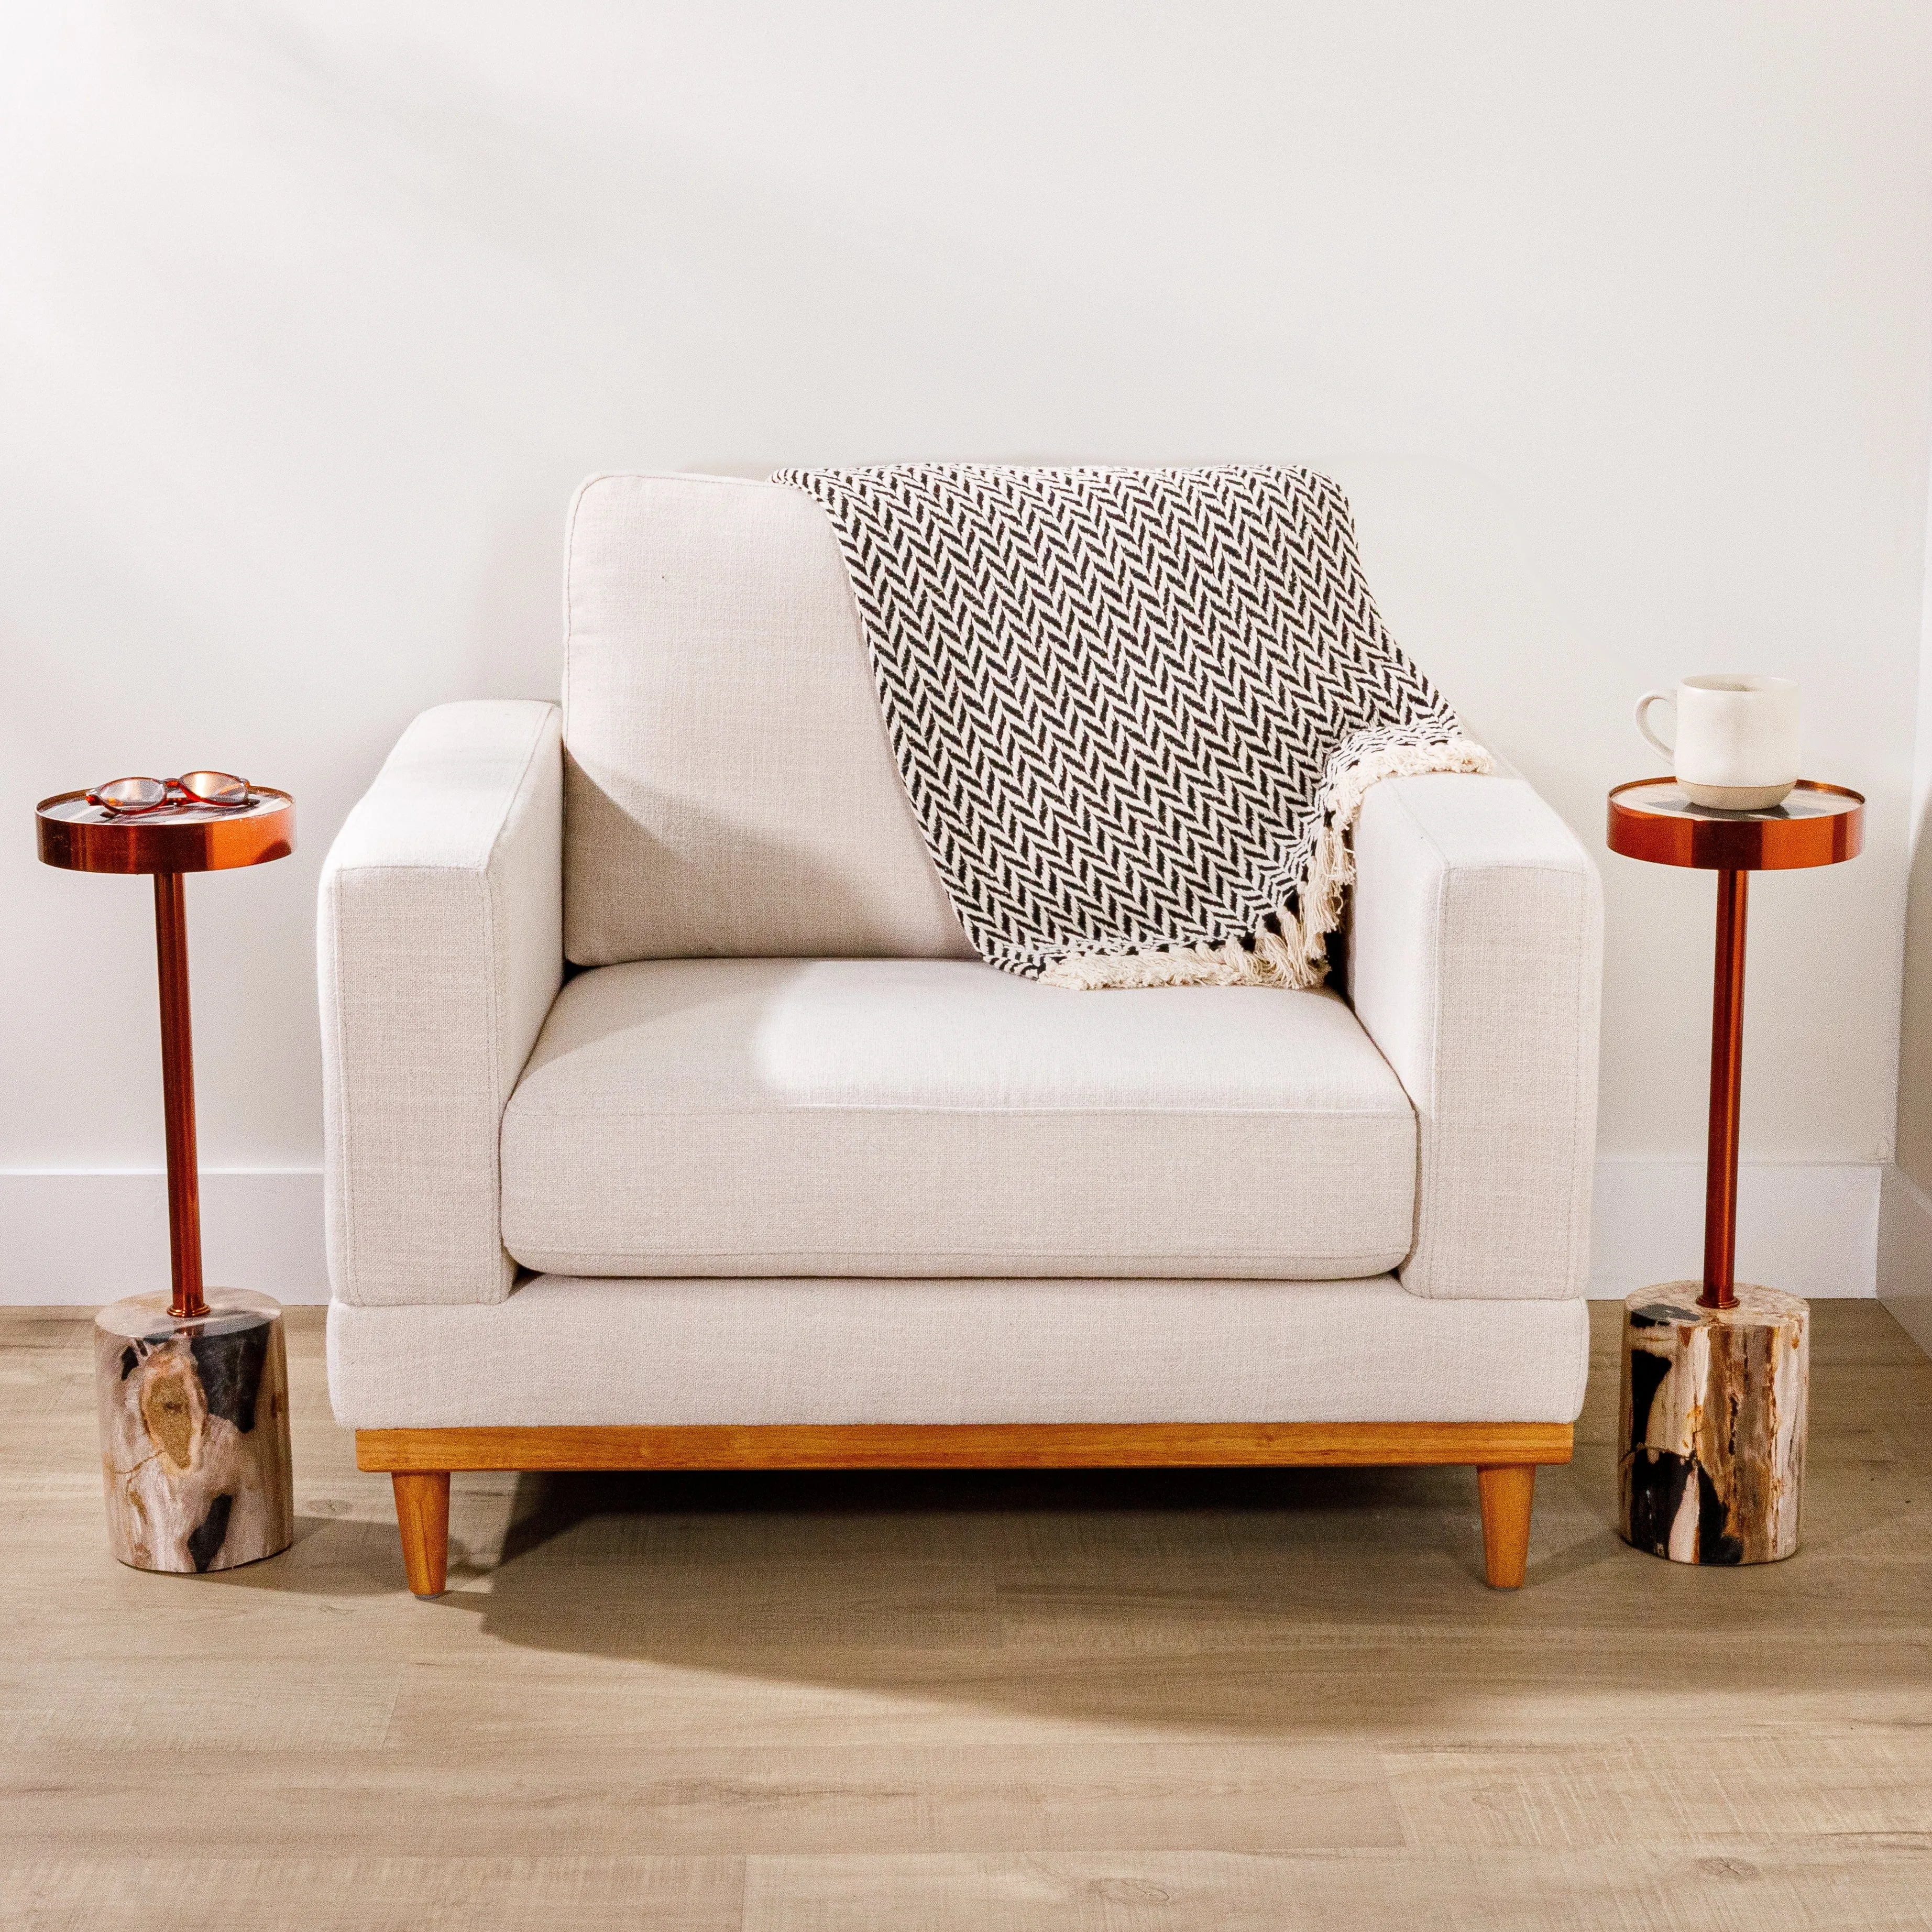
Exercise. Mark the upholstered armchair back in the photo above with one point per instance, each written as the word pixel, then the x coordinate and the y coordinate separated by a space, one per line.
pixel 728 786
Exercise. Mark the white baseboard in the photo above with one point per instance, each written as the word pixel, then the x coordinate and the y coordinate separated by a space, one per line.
pixel 95 1237
pixel 1905 1256
pixel 1810 1228
pixel 1813 1229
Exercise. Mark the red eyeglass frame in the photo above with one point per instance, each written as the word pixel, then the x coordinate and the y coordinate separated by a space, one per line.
pixel 174 791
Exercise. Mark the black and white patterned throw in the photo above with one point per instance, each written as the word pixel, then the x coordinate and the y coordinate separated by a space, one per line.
pixel 1135 710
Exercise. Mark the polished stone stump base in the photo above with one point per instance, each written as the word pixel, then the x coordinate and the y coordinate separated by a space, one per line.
pixel 1711 1450
pixel 194 1431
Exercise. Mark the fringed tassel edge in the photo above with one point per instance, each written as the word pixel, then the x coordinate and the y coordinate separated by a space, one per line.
pixel 1296 957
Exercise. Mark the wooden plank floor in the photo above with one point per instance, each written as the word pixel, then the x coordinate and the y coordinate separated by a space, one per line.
pixel 1229 1700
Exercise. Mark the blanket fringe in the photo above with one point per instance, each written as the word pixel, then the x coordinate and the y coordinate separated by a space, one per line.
pixel 1296 957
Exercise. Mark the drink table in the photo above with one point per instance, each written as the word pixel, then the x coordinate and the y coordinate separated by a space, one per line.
pixel 193 1387
pixel 1716 1373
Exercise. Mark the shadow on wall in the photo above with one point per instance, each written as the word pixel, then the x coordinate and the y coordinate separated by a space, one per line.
pixel 1915 1018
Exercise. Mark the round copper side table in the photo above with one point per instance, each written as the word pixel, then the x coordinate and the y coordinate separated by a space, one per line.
pixel 194 1387
pixel 1716 1373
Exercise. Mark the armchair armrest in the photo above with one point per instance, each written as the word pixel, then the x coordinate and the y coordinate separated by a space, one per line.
pixel 440 937
pixel 1475 964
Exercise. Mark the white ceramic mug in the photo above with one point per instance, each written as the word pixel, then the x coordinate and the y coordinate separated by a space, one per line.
pixel 1737 739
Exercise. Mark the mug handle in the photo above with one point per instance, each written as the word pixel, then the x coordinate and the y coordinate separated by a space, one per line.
pixel 1650 737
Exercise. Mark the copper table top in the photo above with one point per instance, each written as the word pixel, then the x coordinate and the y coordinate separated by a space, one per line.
pixel 1817 825
pixel 83 838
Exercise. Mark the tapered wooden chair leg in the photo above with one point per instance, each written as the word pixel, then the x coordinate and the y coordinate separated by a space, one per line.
pixel 1508 1495
pixel 422 1514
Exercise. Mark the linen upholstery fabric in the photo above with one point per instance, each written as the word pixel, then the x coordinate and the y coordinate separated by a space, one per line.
pixel 729 786
pixel 672 1352
pixel 1476 964
pixel 440 945
pixel 923 1117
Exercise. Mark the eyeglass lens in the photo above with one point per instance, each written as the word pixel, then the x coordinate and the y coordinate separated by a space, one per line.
pixel 214 787
pixel 132 791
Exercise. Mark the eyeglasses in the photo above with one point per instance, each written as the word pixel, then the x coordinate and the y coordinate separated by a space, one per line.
pixel 219 791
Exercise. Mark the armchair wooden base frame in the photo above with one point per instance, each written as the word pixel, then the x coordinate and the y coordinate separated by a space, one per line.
pixel 1504 1454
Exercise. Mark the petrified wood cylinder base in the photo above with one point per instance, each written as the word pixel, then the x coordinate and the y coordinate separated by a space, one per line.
pixel 194 1431
pixel 1712 1468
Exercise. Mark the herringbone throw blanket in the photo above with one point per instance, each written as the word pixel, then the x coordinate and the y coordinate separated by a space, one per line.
pixel 1135 710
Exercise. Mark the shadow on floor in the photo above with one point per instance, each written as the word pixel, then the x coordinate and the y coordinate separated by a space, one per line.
pixel 1236 1601
pixel 1241 1601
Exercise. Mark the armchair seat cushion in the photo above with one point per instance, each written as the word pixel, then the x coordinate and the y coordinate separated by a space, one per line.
pixel 932 1117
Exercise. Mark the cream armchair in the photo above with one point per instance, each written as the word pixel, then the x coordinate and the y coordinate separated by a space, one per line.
pixel 671 1123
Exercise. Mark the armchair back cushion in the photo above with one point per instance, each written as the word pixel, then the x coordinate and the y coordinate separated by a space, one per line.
pixel 729 789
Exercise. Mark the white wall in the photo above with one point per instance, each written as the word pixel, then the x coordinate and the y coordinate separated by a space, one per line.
pixel 1617 321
